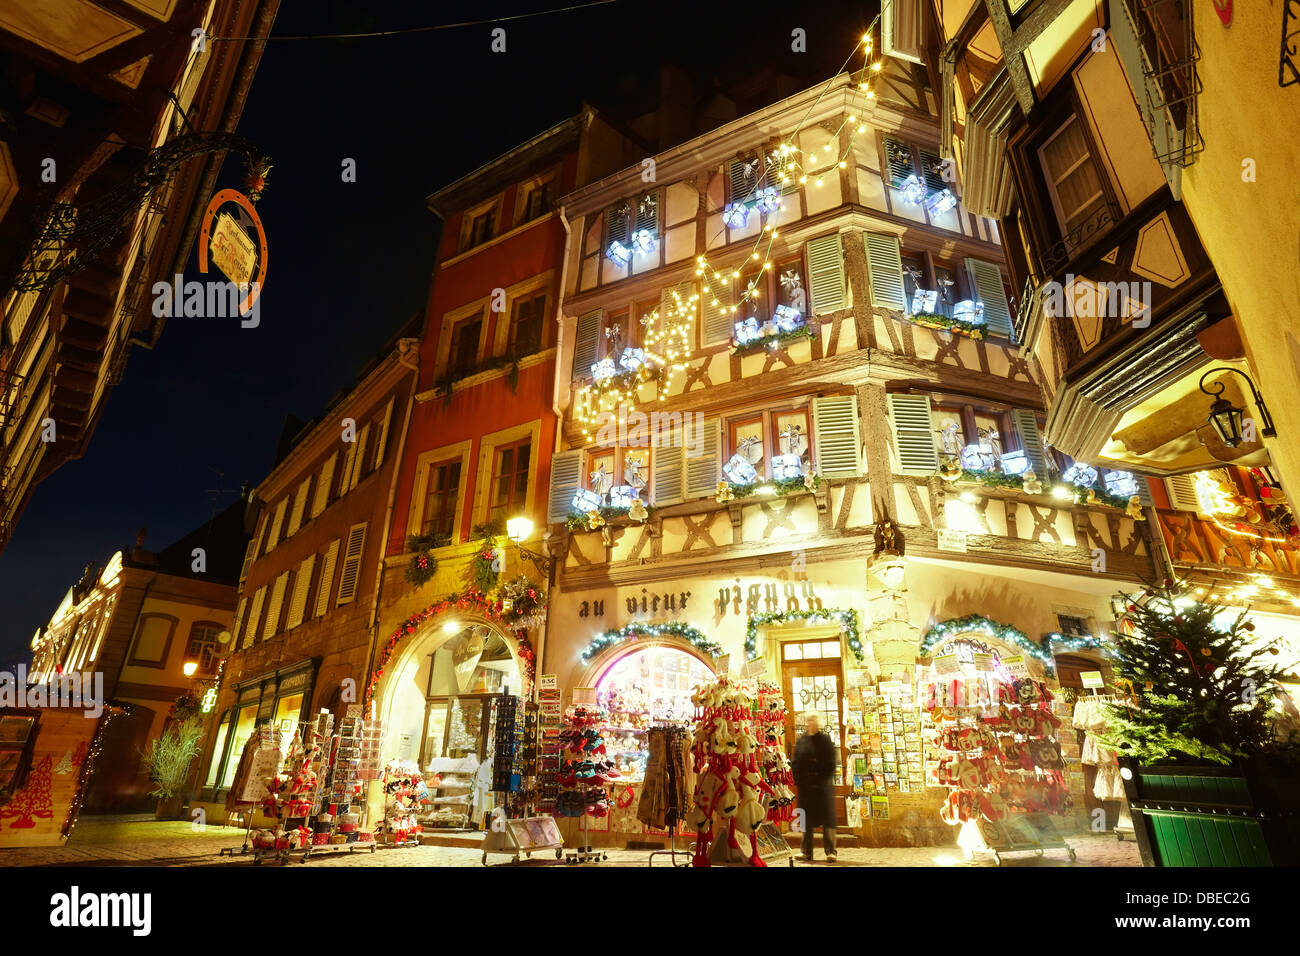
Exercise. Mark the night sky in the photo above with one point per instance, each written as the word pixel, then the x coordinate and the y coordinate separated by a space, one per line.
pixel 349 263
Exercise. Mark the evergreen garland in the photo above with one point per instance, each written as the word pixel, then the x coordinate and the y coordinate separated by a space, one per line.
pixel 692 635
pixel 423 564
pixel 848 621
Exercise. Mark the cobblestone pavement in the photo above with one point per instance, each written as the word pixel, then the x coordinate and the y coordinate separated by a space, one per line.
pixel 146 842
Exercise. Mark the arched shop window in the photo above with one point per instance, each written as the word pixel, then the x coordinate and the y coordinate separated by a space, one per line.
pixel 648 685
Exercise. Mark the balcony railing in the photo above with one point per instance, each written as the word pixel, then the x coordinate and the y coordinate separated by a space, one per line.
pixel 1079 239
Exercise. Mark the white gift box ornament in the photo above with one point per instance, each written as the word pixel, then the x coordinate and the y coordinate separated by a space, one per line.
pixel 644 242
pixel 603 369
pixel 622 496
pixel 767 199
pixel 924 301
pixel 585 500
pixel 735 215
pixel 747 330
pixel 1084 476
pixel 787 319
pixel 1121 483
pixel 940 202
pixel 618 253
pixel 793 441
pixel 787 466
pixel 1014 463
pixel 912 189
pixel 751 448
pixel 977 456
pixel 632 359
pixel 969 312
pixel 739 471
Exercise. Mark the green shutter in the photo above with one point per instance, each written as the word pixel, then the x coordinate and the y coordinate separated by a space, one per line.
pixel 885 263
pixel 986 280
pixel 704 467
pixel 667 475
pixel 837 436
pixel 566 474
pixel 1031 440
pixel 586 344
pixel 826 274
pixel 909 415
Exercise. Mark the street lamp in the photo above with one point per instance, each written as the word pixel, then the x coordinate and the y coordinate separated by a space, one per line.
pixel 518 529
pixel 190 668
pixel 1226 417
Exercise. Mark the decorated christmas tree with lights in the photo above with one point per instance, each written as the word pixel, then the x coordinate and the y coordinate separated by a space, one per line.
pixel 1202 688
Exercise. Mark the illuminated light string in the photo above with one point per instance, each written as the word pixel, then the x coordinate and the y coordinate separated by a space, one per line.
pixel 979 624
pixel 847 620
pixel 667 338
pixel 632 632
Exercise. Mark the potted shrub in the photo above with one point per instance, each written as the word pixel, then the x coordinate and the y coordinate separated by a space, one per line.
pixel 167 759
pixel 1211 766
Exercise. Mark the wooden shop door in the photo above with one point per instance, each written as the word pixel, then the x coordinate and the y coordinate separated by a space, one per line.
pixel 816 685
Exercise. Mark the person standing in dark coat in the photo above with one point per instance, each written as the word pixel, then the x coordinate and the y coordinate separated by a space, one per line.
pixel 814 775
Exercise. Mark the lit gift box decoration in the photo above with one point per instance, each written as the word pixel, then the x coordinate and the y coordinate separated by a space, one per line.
pixel 618 253
pixel 767 199
pixel 1084 476
pixel 747 330
pixel 585 501
pixel 924 302
pixel 603 369
pixel 622 496
pixel 912 190
pixel 978 457
pixel 739 471
pixel 969 312
pixel 940 202
pixel 736 215
pixel 632 359
pixel 787 319
pixel 1121 483
pixel 1014 463
pixel 644 241
pixel 787 466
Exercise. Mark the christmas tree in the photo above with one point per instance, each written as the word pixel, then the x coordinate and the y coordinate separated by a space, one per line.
pixel 1202 688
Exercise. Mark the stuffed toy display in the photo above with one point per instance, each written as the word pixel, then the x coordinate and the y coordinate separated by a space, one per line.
pixel 405 793
pixel 585 768
pixel 732 798
pixel 777 774
pixel 998 746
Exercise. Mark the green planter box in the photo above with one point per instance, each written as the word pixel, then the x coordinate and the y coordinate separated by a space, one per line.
pixel 1247 815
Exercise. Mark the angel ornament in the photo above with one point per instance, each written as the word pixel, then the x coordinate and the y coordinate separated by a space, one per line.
pixel 614 333
pixel 600 481
pixel 792 288
pixel 634 472
pixel 949 435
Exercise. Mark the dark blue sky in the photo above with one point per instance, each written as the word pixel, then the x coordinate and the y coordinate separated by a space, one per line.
pixel 349 263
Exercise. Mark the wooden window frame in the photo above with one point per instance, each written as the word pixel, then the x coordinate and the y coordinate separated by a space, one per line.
pixel 459 451
pixel 26 751
pixel 448 494
pixel 492 207
pixel 1051 187
pixel 486 460
pixel 771 442
pixel 494 476
pixel 528 298
pixel 524 192
pixel 189 642
pixel 454 368
pixel 1008 437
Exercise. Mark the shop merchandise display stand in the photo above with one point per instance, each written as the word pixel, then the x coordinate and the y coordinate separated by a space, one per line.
pixel 585 853
pixel 514 771
pixel 673 831
pixel 308 730
pixel 347 765
pixel 246 807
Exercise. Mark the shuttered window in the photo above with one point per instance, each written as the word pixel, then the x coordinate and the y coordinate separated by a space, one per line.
pixel 668 475
pixel 248 559
pixel 299 505
pixel 616 224
pixel 586 346
pixel 909 417
pixel 986 280
pixel 836 432
pixel 321 498
pixel 717 320
pixel 381 441
pixel 826 274
pixel 647 212
pixel 276 603
pixel 742 175
pixel 359 458
pixel 326 577
pixel 899 161
pixel 274 537
pixel 239 622
pixel 1031 440
pixel 675 306
pixel 352 563
pixel 885 263
pixel 704 466
pixel 566 474
pixel 345 472
pixel 1182 491
pixel 932 172
pixel 254 617
pixel 301 588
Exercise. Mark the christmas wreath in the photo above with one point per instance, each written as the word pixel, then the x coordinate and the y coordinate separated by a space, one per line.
pixel 423 564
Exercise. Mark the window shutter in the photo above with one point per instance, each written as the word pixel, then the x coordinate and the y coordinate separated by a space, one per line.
pixel 743 176
pixel 326 577
pixel 248 559
pixel 586 344
pixel 716 324
pixel 898 160
pixel 322 496
pixel 986 280
pixel 359 455
pixel 837 436
pixel 932 172
pixel 1031 440
pixel 685 312
pixel 349 456
pixel 352 563
pixel 616 223
pixel 647 213
pixel 704 468
pixel 566 474
pixel 272 626
pixel 299 503
pixel 381 442
pixel 913 434
pixel 1144 492
pixel 239 623
pixel 274 538
pixel 902 30
pixel 667 467
pixel 254 617
pixel 1182 492
pixel 826 274
pixel 301 585
pixel 885 263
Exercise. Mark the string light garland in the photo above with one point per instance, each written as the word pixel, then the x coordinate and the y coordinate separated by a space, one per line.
pixel 475 602
pixel 87 761
pixel 979 624
pixel 632 632
pixel 1070 642
pixel 847 619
